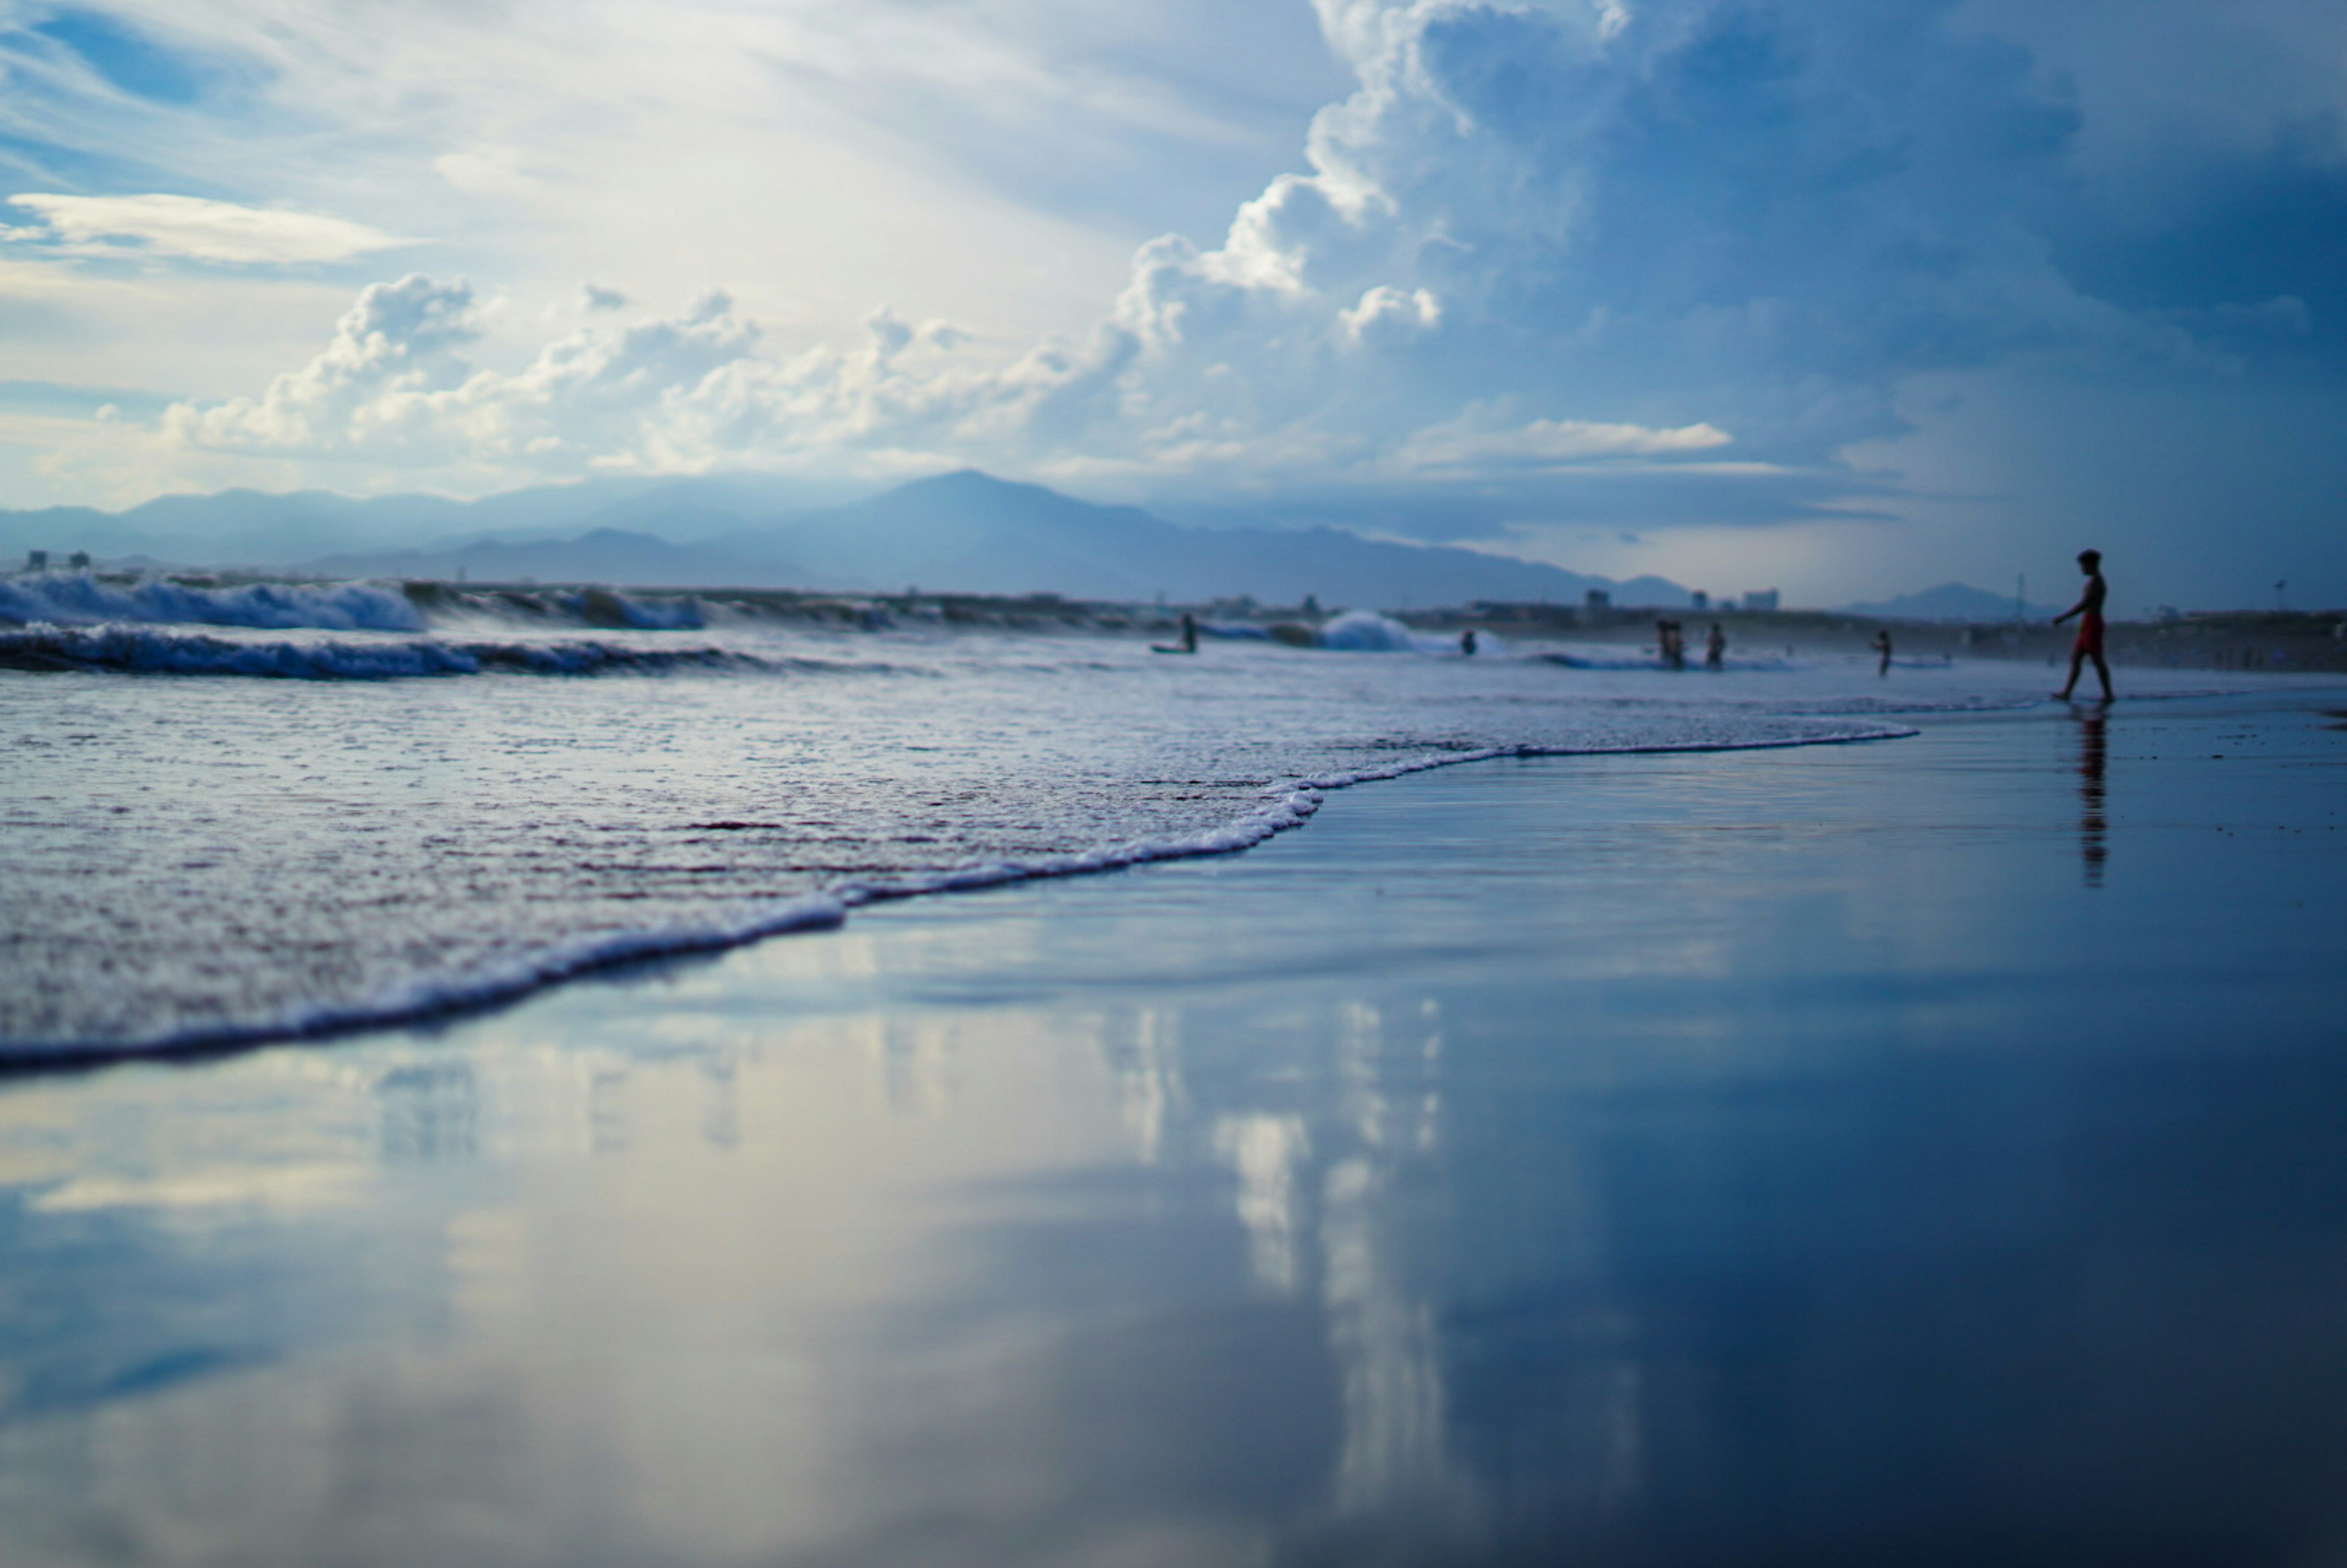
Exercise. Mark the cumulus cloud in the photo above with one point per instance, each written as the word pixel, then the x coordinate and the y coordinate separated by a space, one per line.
pixel 381 388
pixel 192 229
pixel 1543 245
pixel 396 386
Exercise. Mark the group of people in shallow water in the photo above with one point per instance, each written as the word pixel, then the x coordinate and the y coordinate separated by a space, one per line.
pixel 1670 637
pixel 1670 640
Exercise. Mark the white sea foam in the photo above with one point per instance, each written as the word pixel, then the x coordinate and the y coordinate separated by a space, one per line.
pixel 434 996
pixel 1366 631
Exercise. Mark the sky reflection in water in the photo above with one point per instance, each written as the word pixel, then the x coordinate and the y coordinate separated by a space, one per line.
pixel 1768 1158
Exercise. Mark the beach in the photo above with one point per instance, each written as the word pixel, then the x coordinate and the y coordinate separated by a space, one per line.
pixel 1919 1150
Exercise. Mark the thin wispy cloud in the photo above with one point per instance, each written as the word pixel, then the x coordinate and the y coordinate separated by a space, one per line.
pixel 188 228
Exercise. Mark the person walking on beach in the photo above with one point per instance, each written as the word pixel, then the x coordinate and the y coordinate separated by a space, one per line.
pixel 1715 648
pixel 1881 644
pixel 2089 611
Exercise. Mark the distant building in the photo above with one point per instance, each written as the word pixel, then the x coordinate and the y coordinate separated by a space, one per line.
pixel 1698 599
pixel 1764 599
pixel 1597 599
pixel 78 560
pixel 36 561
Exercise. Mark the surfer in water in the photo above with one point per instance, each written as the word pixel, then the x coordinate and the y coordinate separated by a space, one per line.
pixel 1881 644
pixel 2089 611
pixel 1189 643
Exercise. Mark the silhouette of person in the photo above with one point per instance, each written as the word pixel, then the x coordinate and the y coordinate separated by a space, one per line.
pixel 1715 648
pixel 1189 632
pixel 2089 611
pixel 1467 642
pixel 1668 643
pixel 1881 644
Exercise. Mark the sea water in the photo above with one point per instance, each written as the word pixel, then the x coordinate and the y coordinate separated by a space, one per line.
pixel 233 814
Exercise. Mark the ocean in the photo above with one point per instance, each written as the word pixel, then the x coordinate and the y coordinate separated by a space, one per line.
pixel 250 812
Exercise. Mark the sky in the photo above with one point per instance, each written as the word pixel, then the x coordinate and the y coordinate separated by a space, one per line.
pixel 1846 297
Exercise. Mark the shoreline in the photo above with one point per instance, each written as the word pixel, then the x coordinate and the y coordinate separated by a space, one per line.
pixel 1285 809
pixel 453 1001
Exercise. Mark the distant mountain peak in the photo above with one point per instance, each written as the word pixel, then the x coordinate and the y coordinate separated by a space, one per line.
pixel 965 482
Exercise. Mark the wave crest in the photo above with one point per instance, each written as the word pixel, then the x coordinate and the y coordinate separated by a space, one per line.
pixel 133 649
pixel 81 599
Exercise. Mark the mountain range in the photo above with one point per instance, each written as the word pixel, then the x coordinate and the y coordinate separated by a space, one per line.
pixel 963 532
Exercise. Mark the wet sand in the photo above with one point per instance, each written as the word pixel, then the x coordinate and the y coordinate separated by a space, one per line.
pixel 1924 1151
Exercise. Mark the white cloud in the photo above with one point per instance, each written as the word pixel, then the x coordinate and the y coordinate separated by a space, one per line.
pixel 1567 212
pixel 1551 440
pixel 189 228
pixel 381 389
pixel 995 161
pixel 1387 317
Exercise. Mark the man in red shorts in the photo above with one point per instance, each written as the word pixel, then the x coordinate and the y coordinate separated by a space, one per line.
pixel 2089 611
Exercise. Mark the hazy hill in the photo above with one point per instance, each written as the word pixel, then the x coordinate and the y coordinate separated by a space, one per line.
pixel 254 527
pixel 599 555
pixel 962 532
pixel 969 532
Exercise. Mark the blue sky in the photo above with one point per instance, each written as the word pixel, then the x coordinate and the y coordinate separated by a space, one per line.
pixel 1843 296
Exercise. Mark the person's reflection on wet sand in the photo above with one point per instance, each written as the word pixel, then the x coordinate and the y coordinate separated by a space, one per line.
pixel 2093 826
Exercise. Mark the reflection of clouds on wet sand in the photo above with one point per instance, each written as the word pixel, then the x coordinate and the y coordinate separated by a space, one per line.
pixel 821 1286
pixel 888 1248
pixel 805 1288
pixel 1264 1152
pixel 1394 1453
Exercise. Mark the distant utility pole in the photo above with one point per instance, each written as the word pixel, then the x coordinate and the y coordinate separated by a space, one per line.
pixel 2021 596
pixel 2282 586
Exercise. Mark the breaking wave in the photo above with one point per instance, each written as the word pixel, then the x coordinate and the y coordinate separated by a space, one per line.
pixel 134 649
pixel 85 599
pixel 72 599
